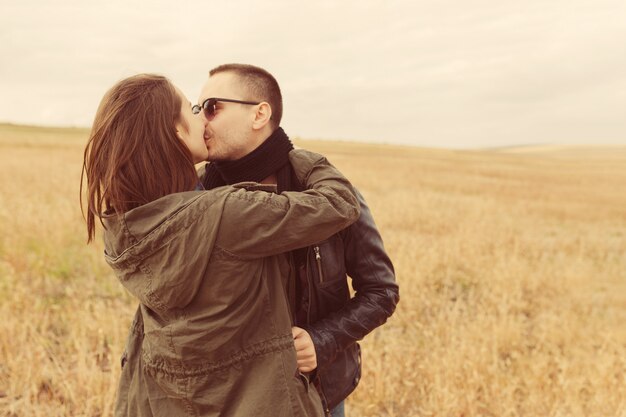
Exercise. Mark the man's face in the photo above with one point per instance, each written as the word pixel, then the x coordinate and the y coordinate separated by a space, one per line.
pixel 230 129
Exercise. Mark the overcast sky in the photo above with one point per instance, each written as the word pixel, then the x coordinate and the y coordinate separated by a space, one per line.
pixel 444 73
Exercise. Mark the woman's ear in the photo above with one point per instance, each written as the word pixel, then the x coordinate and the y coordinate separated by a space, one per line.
pixel 262 116
pixel 179 127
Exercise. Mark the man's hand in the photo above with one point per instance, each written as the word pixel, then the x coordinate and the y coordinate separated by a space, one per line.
pixel 305 351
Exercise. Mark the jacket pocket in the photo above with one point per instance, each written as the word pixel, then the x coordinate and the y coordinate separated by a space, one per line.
pixel 332 295
pixel 327 263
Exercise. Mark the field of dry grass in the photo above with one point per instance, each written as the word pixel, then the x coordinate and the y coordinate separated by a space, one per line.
pixel 511 265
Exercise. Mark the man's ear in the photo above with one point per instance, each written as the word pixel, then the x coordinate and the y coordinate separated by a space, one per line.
pixel 262 116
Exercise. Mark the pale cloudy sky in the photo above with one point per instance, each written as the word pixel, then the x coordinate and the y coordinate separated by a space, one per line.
pixel 443 73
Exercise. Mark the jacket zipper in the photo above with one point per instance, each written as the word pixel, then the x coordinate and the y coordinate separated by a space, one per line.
pixel 309 284
pixel 318 258
pixel 292 314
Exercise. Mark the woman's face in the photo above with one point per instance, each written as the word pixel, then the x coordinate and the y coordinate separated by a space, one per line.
pixel 193 133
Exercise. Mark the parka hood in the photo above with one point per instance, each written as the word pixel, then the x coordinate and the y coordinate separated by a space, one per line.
pixel 159 250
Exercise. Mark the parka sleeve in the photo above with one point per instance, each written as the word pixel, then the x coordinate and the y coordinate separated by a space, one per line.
pixel 255 224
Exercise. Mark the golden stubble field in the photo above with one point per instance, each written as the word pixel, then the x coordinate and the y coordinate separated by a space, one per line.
pixel 511 265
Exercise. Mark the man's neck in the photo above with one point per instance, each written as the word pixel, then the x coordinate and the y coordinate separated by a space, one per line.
pixel 263 136
pixel 258 138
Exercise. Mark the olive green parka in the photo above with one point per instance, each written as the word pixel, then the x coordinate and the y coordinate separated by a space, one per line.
pixel 213 333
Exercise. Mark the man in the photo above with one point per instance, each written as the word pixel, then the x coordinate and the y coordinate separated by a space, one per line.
pixel 243 108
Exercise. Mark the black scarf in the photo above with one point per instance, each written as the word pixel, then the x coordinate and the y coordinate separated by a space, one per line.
pixel 271 157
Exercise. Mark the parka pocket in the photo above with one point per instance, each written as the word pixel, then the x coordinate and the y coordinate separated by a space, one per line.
pixel 133 341
pixel 307 399
pixel 123 359
pixel 130 361
pixel 304 379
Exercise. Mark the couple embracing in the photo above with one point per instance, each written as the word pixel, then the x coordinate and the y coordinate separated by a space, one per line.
pixel 241 267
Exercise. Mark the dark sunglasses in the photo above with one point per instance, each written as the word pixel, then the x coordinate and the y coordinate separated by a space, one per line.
pixel 208 105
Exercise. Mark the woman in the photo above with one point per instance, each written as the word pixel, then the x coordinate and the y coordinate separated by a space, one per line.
pixel 205 265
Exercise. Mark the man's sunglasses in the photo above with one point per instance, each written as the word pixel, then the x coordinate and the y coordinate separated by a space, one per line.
pixel 208 105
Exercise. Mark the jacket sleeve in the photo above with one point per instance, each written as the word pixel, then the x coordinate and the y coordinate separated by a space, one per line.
pixel 377 292
pixel 255 224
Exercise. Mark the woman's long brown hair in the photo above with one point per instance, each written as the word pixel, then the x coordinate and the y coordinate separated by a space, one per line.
pixel 133 155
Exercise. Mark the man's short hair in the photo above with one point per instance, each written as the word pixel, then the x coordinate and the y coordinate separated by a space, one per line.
pixel 260 84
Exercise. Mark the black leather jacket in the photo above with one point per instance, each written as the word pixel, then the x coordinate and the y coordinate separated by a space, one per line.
pixel 335 320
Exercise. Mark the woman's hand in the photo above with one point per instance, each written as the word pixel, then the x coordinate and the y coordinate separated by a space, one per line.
pixel 305 351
